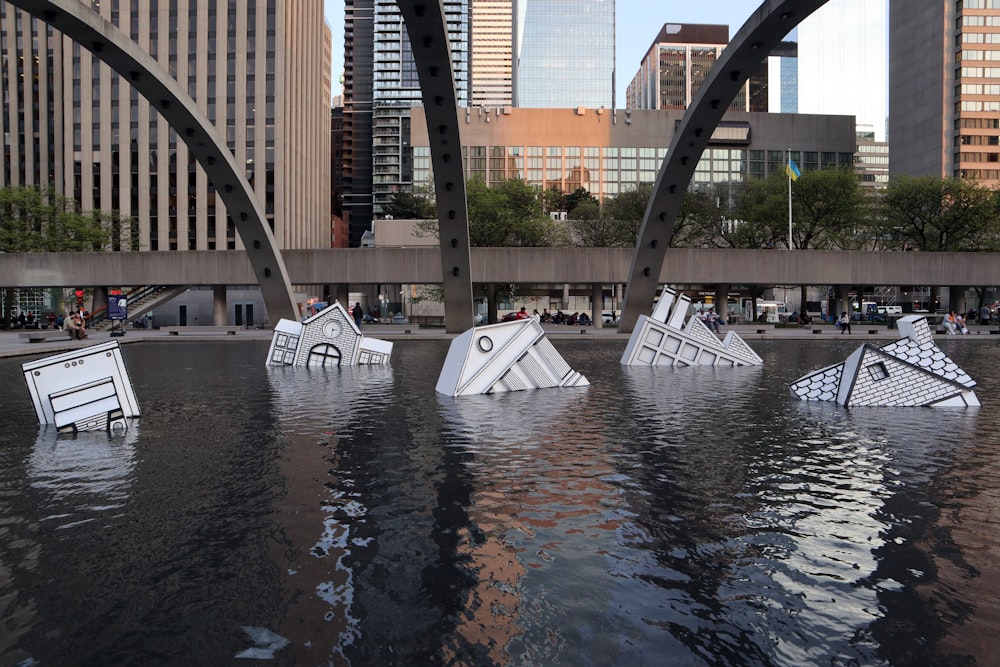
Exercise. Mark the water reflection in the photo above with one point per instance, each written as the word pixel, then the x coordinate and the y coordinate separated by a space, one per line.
pixel 318 412
pixel 658 516
pixel 83 474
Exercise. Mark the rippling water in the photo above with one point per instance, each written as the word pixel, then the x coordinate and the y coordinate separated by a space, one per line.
pixel 657 517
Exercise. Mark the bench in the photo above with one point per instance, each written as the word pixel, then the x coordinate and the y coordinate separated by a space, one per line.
pixel 38 335
pixel 427 320
pixel 176 331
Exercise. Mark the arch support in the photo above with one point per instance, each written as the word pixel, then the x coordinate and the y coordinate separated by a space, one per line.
pixel 755 40
pixel 428 33
pixel 94 33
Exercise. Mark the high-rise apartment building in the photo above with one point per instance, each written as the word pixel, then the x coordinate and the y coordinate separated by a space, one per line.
pixel 359 49
pixel 945 89
pixel 259 69
pixel 842 61
pixel 564 53
pixel 381 86
pixel 492 52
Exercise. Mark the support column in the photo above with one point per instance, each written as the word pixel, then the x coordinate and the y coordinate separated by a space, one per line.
pixel 956 299
pixel 565 297
pixel 597 305
pixel 342 294
pixel 100 299
pixel 220 312
pixel 722 302
pixel 843 301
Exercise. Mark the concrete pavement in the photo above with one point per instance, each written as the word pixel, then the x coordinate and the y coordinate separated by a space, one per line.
pixel 13 345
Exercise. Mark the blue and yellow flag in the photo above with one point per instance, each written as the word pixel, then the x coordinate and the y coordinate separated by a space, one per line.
pixel 792 170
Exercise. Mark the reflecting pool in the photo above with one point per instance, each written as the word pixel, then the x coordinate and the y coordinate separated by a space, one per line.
pixel 658 517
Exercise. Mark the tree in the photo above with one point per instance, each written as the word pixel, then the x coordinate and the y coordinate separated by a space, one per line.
pixel 410 206
pixel 39 220
pixel 509 214
pixel 937 214
pixel 828 210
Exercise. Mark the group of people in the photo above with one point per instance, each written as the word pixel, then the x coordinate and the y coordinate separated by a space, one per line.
pixel 954 324
pixel 562 318
pixel 711 319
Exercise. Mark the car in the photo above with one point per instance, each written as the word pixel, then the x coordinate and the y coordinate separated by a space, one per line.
pixel 609 318
pixel 509 317
pixel 891 310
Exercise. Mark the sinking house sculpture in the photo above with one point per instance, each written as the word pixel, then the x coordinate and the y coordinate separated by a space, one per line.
pixel 911 371
pixel 83 390
pixel 328 338
pixel 664 339
pixel 508 356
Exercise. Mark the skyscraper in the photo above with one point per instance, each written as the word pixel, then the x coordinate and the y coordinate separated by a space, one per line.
pixel 842 62
pixel 564 53
pixel 258 69
pixel 381 86
pixel 675 66
pixel 945 89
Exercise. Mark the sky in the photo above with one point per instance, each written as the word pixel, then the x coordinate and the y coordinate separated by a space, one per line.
pixel 639 21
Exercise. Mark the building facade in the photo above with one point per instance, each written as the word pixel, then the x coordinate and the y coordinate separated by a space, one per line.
pixel 843 62
pixel 395 91
pixel 258 69
pixel 492 52
pixel 947 98
pixel 564 53
pixel 675 66
pixel 359 46
pixel 613 152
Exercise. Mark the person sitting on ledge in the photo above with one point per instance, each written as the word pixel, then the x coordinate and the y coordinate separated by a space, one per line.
pixel 584 320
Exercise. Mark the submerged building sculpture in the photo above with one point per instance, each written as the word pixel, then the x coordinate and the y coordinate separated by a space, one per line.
pixel 911 371
pixel 665 340
pixel 82 390
pixel 508 356
pixel 328 338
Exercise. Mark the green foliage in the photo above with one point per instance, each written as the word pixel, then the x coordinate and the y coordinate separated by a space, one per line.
pixel 828 211
pixel 409 206
pixel 509 214
pixel 938 214
pixel 39 220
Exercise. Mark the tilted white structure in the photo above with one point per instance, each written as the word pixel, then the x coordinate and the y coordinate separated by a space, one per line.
pixel 82 390
pixel 328 338
pixel 664 339
pixel 508 356
pixel 911 371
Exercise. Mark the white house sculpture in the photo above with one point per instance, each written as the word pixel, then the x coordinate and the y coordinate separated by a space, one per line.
pixel 82 390
pixel 664 339
pixel 508 356
pixel 328 338
pixel 911 371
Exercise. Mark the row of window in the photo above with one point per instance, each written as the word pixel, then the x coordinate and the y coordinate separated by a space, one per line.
pixel 978 105
pixel 978 4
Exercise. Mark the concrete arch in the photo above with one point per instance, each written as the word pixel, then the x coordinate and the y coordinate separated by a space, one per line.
pixel 754 41
pixel 428 32
pixel 75 20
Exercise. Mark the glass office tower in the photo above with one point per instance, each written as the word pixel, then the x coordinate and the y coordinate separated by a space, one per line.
pixel 564 53
pixel 842 62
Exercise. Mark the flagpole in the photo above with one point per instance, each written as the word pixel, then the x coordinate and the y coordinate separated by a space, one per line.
pixel 788 169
